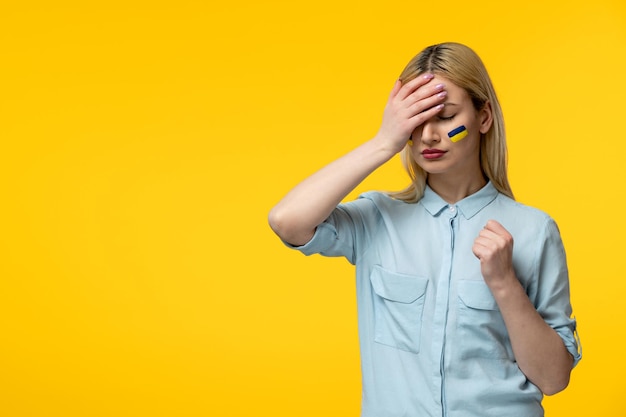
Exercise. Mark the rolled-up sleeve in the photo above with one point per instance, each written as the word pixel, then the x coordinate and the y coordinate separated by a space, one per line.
pixel 552 298
pixel 344 233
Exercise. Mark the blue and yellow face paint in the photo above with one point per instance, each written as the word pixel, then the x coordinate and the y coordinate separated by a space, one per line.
pixel 457 134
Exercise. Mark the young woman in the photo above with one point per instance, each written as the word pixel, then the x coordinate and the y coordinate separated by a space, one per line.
pixel 463 293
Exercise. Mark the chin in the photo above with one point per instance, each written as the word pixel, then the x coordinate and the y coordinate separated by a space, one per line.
pixel 434 167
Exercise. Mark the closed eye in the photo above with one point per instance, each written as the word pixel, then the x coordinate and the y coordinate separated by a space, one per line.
pixel 446 118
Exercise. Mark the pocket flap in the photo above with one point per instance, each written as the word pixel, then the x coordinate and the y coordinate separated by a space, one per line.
pixel 476 294
pixel 398 287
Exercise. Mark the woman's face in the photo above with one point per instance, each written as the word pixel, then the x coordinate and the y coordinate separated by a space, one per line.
pixel 433 149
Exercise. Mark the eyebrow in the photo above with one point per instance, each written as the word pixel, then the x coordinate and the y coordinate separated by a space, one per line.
pixel 450 104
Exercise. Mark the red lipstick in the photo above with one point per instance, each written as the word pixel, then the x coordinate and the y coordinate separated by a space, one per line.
pixel 433 153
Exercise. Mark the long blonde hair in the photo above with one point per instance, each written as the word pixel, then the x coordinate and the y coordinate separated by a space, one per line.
pixel 461 65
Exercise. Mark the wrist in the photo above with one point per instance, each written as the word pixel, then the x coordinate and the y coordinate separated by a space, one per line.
pixel 386 146
pixel 504 287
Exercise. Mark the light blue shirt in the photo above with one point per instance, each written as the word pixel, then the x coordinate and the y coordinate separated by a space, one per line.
pixel 433 342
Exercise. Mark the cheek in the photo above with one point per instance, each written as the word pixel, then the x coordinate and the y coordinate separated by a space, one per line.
pixel 458 133
pixel 463 130
pixel 469 145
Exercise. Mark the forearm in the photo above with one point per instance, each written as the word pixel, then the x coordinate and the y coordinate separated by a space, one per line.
pixel 539 351
pixel 297 215
pixel 308 204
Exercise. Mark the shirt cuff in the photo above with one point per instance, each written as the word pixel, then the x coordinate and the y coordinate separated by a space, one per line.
pixel 572 342
pixel 325 235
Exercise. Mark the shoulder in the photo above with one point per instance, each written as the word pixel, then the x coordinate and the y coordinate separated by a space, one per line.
pixel 384 205
pixel 528 218
pixel 383 201
pixel 375 206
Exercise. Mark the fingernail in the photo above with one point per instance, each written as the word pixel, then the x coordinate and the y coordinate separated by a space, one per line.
pixel 442 94
pixel 439 87
pixel 428 76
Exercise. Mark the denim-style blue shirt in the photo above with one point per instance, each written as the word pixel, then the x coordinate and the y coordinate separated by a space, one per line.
pixel 432 340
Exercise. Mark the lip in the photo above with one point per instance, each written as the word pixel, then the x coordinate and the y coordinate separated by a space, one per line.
pixel 433 153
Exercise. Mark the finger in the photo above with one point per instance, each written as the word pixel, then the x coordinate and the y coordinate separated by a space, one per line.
pixel 493 241
pixel 476 251
pixel 425 92
pixel 485 243
pixel 411 86
pixel 488 234
pixel 420 117
pixel 427 103
pixel 496 227
pixel 499 233
pixel 396 87
pixel 485 253
pixel 479 250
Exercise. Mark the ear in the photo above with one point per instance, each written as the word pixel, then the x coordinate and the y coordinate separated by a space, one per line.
pixel 486 118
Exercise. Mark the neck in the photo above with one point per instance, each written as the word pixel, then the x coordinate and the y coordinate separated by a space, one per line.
pixel 455 188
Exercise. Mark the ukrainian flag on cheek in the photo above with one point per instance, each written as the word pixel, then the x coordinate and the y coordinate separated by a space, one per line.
pixel 457 134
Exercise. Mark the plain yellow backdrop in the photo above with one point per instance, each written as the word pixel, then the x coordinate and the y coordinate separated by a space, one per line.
pixel 143 144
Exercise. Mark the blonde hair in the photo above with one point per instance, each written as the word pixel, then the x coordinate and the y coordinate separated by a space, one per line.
pixel 461 65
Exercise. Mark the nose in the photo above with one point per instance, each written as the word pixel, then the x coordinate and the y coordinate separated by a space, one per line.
pixel 429 133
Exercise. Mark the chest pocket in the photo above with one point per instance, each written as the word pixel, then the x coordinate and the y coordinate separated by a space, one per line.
pixel 398 307
pixel 480 324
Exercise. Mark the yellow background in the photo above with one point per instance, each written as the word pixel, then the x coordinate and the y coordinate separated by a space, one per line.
pixel 143 144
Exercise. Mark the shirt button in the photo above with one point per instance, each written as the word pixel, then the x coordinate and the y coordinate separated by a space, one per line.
pixel 452 209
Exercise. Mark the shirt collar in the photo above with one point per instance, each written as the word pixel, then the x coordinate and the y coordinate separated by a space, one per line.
pixel 469 206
